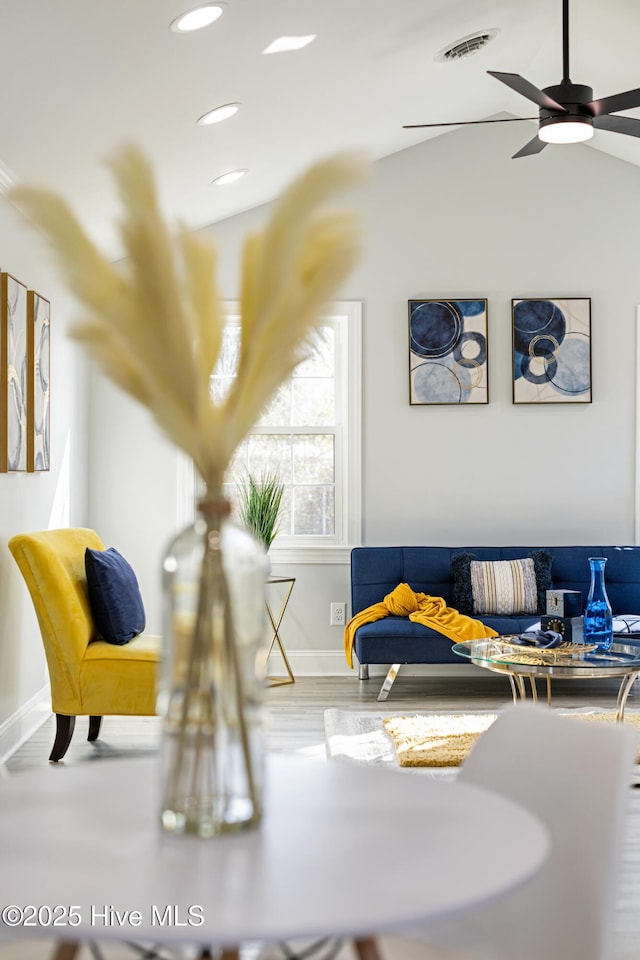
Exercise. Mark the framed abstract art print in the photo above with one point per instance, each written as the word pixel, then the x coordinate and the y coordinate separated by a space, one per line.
pixel 448 351
pixel 13 374
pixel 38 368
pixel 552 350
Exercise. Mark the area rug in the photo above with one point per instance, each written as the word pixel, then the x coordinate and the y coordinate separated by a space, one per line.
pixel 445 740
pixel 437 742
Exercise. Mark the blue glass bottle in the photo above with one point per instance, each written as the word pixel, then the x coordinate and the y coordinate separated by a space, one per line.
pixel 598 619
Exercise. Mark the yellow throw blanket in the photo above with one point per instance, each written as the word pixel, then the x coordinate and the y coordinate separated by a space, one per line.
pixel 421 608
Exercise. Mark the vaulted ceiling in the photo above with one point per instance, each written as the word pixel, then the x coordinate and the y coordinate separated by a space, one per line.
pixel 80 77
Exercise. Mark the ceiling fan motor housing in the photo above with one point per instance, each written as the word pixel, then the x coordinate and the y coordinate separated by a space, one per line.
pixel 574 97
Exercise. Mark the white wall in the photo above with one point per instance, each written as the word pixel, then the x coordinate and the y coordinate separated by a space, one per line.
pixel 45 500
pixel 132 486
pixel 455 217
pixel 458 217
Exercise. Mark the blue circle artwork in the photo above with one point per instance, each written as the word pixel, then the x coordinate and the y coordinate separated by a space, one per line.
pixel 573 370
pixel 470 308
pixel 541 321
pixel 547 351
pixel 480 356
pixel 436 327
pixel 452 360
pixel 436 382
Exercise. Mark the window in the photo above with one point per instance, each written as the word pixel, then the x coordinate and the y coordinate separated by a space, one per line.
pixel 310 436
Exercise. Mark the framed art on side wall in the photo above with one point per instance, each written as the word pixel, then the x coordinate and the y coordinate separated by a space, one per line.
pixel 13 374
pixel 448 351
pixel 38 367
pixel 552 350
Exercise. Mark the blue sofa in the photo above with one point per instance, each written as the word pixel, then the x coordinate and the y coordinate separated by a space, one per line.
pixel 376 571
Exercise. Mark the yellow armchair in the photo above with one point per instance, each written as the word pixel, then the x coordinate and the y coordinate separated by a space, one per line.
pixel 89 677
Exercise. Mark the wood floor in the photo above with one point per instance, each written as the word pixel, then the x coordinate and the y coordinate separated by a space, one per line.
pixel 296 716
pixel 296 712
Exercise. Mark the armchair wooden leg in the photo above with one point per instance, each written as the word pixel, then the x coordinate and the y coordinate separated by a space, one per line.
pixel 64 732
pixel 94 728
pixel 366 948
pixel 66 950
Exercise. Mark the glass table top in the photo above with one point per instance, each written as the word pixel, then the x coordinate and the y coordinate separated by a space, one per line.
pixel 568 660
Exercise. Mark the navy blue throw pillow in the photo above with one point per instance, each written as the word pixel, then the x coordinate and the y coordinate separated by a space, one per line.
pixel 461 573
pixel 114 596
pixel 542 561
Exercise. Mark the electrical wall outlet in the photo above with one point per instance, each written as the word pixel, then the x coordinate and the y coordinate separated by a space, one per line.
pixel 338 615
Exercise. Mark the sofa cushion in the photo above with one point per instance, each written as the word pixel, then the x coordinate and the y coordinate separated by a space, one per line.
pixel 514 587
pixel 399 640
pixel 114 596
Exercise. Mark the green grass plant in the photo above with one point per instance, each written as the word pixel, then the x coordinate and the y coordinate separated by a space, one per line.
pixel 259 500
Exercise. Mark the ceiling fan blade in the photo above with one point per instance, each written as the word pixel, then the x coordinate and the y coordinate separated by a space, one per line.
pixel 534 146
pixel 464 123
pixel 619 101
pixel 526 89
pixel 627 125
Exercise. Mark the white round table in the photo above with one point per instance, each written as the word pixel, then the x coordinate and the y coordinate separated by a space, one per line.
pixel 342 850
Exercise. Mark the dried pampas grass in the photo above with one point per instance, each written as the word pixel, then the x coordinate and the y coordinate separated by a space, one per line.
pixel 156 326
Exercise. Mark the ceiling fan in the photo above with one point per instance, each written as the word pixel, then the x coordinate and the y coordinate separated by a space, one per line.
pixel 568 112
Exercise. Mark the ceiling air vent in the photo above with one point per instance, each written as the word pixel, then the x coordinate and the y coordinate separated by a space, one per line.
pixel 466 47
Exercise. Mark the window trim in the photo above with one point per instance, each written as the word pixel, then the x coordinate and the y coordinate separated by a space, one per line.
pixel 348 489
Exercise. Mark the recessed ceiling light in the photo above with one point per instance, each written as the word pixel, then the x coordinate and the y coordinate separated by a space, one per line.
pixel 284 44
pixel 220 113
pixel 197 18
pixel 228 177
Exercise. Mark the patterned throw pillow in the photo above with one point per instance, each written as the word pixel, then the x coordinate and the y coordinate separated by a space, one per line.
pixel 504 587
pixel 501 587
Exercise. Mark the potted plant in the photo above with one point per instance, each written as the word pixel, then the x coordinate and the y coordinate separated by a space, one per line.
pixel 259 500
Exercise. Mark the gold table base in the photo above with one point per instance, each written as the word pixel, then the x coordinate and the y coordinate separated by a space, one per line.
pixel 275 625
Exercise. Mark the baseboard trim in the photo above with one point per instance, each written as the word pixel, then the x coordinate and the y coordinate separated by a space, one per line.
pixel 332 663
pixel 311 663
pixel 466 670
pixel 22 724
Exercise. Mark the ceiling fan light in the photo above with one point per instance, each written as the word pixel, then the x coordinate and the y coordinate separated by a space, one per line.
pixel 570 130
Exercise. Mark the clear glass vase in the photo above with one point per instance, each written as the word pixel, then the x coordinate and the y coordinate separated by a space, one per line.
pixel 211 686
pixel 598 619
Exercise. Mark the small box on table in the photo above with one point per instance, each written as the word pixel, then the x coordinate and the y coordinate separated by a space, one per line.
pixel 570 628
pixel 564 603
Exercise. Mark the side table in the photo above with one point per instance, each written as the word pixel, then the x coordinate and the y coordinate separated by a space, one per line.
pixel 275 621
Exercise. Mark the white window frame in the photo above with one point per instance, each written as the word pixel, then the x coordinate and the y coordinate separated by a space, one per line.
pixel 346 315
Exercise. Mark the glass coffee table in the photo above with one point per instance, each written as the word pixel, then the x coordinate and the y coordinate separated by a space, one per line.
pixel 568 662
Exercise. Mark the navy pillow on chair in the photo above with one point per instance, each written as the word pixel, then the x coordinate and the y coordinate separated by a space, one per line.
pixel 114 596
